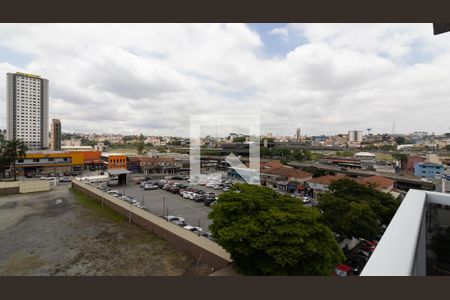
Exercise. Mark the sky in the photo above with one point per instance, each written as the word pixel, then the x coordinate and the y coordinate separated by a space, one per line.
pixel 150 78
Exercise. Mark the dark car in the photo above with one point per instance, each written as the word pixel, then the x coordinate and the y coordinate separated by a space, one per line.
pixel 208 200
pixel 356 263
pixel 177 177
pixel 199 198
pixel 174 190
pixel 367 246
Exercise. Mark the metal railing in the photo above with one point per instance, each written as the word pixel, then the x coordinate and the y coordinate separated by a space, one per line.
pixel 402 248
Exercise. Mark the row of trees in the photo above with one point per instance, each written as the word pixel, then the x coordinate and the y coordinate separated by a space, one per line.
pixel 286 154
pixel 267 233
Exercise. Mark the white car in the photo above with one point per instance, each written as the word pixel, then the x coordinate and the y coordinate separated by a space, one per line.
pixel 113 192
pixel 186 194
pixel 191 196
pixel 193 228
pixel 180 221
pixel 306 200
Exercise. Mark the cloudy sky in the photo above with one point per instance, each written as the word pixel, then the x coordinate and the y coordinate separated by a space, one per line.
pixel 323 78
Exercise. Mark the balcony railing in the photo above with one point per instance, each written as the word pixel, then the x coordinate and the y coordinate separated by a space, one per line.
pixel 402 248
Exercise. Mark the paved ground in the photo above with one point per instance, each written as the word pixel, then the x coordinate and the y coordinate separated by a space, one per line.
pixel 195 213
pixel 59 233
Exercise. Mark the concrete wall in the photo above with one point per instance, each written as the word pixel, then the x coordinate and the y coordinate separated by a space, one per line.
pixel 9 188
pixel 199 247
pixel 23 187
pixel 34 186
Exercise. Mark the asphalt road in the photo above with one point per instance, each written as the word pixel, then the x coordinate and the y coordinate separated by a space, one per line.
pixel 195 213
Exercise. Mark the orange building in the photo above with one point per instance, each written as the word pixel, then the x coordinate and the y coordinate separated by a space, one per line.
pixel 114 160
pixel 91 159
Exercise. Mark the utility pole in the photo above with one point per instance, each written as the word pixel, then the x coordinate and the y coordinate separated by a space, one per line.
pixel 164 205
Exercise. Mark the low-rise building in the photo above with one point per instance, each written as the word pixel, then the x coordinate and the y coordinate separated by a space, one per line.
pixel 428 170
pixel 285 178
pixel 46 162
pixel 380 183
pixel 114 160
pixel 412 161
pixel 321 184
pixel 158 165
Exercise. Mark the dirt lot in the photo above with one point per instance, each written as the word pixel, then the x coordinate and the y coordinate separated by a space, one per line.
pixel 63 233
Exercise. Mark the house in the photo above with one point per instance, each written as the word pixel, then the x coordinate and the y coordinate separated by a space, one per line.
pixel 320 184
pixel 380 183
pixel 158 165
pixel 133 164
pixel 412 161
pixel 285 178
pixel 428 170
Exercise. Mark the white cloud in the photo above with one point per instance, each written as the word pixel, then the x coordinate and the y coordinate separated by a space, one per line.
pixel 151 77
pixel 280 31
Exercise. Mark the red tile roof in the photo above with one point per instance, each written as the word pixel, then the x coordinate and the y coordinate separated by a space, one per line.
pixel 288 172
pixel 327 179
pixel 379 181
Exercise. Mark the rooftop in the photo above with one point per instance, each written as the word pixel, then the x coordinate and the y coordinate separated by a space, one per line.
pixel 287 171
pixel 380 181
pixel 327 179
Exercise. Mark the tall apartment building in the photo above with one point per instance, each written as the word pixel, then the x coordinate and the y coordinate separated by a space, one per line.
pixel 27 109
pixel 55 135
pixel 355 136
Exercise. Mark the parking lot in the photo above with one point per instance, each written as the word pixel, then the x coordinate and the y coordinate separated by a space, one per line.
pixel 161 203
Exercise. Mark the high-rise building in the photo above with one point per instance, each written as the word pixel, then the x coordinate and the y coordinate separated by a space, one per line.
pixel 355 136
pixel 298 135
pixel 27 109
pixel 55 135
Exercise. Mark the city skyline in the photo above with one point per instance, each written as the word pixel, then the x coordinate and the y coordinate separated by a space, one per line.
pixel 322 78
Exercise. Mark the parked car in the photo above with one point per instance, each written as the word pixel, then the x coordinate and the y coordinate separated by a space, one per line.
pixel 139 205
pixel 367 245
pixel 187 194
pixel 356 263
pixel 191 196
pixel 193 228
pixel 199 198
pixel 176 220
pixel 226 189
pixel 306 200
pixel 343 270
pixel 113 192
pixel 207 235
pixel 150 187
pixel 174 190
pixel 208 200
pixel 65 179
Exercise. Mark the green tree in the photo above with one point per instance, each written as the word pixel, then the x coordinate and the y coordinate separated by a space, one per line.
pixel 344 153
pixel 400 140
pixel 271 234
pixel 349 219
pixel 350 208
pixel 14 149
pixel 140 146
pixel 402 157
pixel 447 147
pixel 239 139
